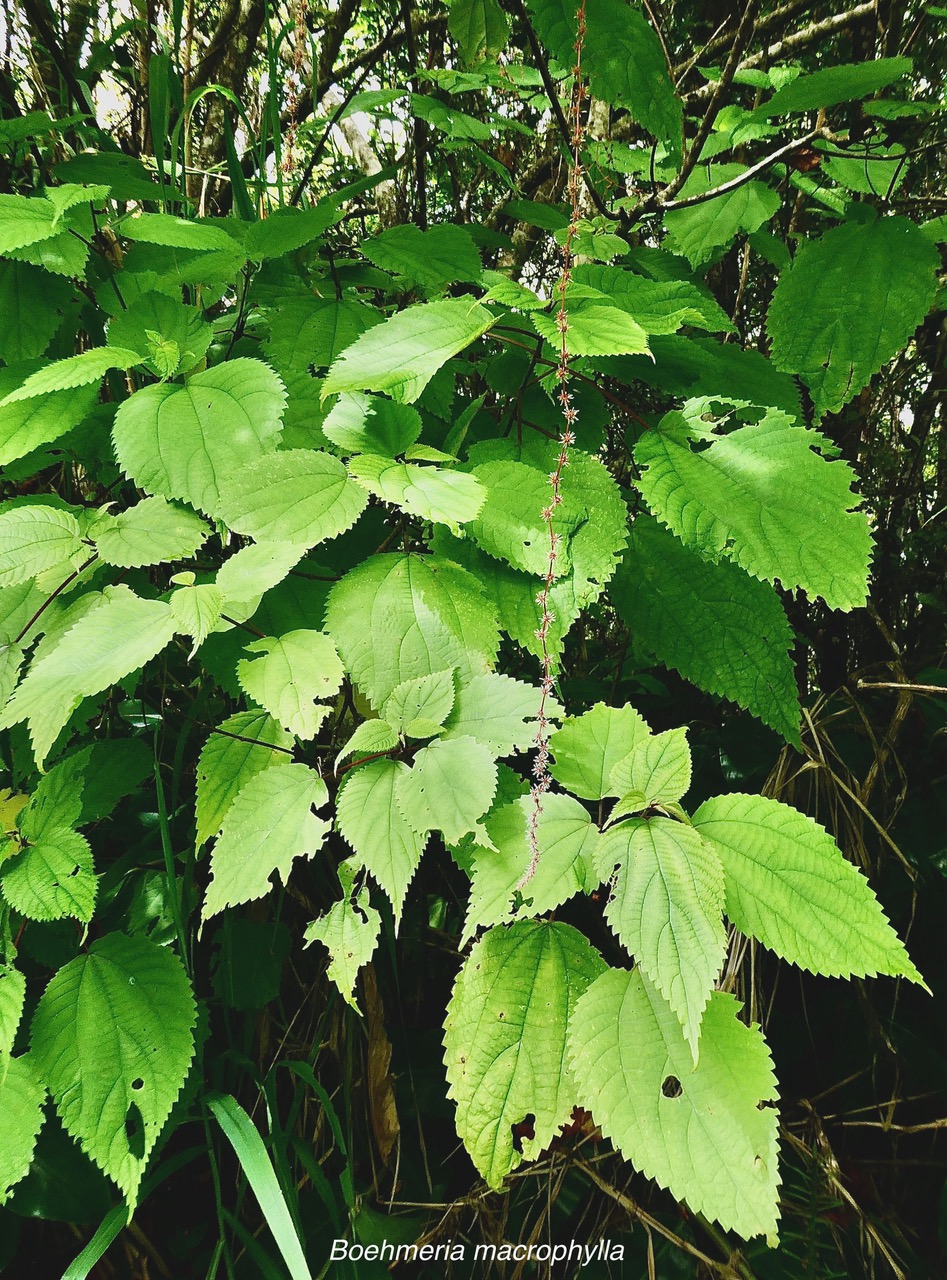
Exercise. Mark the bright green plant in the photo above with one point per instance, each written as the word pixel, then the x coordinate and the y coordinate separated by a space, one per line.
pixel 287 502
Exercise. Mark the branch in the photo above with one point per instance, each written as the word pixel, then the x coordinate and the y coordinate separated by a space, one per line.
pixel 734 183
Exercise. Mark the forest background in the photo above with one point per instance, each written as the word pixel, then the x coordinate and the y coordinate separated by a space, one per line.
pixel 381 385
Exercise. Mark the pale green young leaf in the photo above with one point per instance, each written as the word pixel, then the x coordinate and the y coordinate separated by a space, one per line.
pixel 52 878
pixel 402 355
pixel 308 331
pixel 721 629
pixel 430 493
pixel 22 1095
pixel 173 337
pixel 33 539
pixel 789 886
pixel 849 303
pixel 249 573
pixel 112 1037
pixel 298 496
pixel 397 617
pixel 152 531
pixel 498 711
pixel 426 699
pixel 372 737
pixel 185 441
pixel 75 371
pixel 197 611
pixel 700 1132
pixel 480 28
pixel 588 747
pixel 666 909
pixel 595 329
pixel 237 751
pixel 349 932
pixel 433 258
pixel 12 997
pixel 112 640
pixel 268 825
pixel 369 818
pixel 27 424
pixel 696 232
pixel 32 307
pixel 659 767
pixel 449 788
pixel 357 423
pixel 567 841
pixel 505 1038
pixel 291 672
pixel 176 233
pixel 740 498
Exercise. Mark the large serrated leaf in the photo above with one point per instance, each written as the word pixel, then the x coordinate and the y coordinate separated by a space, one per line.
pixel 666 908
pixel 588 747
pixel 112 1037
pixel 269 824
pixel 184 441
pixel 240 748
pixel 705 1132
pixel 286 674
pixel 33 539
pixel 789 886
pixel 152 531
pixel 740 498
pixel 505 1039
pixel 497 710
pixel 52 878
pixel 27 424
pixel 298 496
pixel 449 788
pixel 21 1104
pixel 431 493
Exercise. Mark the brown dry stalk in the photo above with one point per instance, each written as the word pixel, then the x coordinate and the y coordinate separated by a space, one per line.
pixel 542 778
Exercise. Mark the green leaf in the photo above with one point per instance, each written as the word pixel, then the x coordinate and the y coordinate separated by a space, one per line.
pixel 372 737
pixel 286 230
pixel 293 671
pixel 21 1104
pixel 32 307
pixel 588 747
pixel 789 886
pixel 567 840
pixel 12 997
pixel 701 1131
pixel 112 1037
pixel 666 910
pixel 308 331
pixel 396 617
pixel 510 526
pixel 85 786
pixel 594 330
pixel 52 878
pixel 117 636
pixel 402 355
pixel 242 747
pixel 185 441
pixel 849 303
pixel 196 611
pixel 27 424
pixel 349 932
pixel 151 532
pixel 75 371
pixel 176 233
pixel 658 306
pixel 657 767
pixel 23 221
pixel 247 575
pixel 433 258
pixel 479 27
pixel 740 498
pixel 370 424
pixel 698 231
pixel 268 825
pixel 430 493
pixel 498 711
pixel 33 539
pixel 369 818
pixel 173 336
pixel 505 1039
pixel 721 629
pixel 298 496
pixel 449 788
pixel 427 699
pixel 832 85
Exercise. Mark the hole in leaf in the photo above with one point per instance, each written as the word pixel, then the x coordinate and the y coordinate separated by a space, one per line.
pixel 525 1129
pixel 765 1104
pixel 135 1131
pixel 74 872
pixel 672 1087
pixel 138 1083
